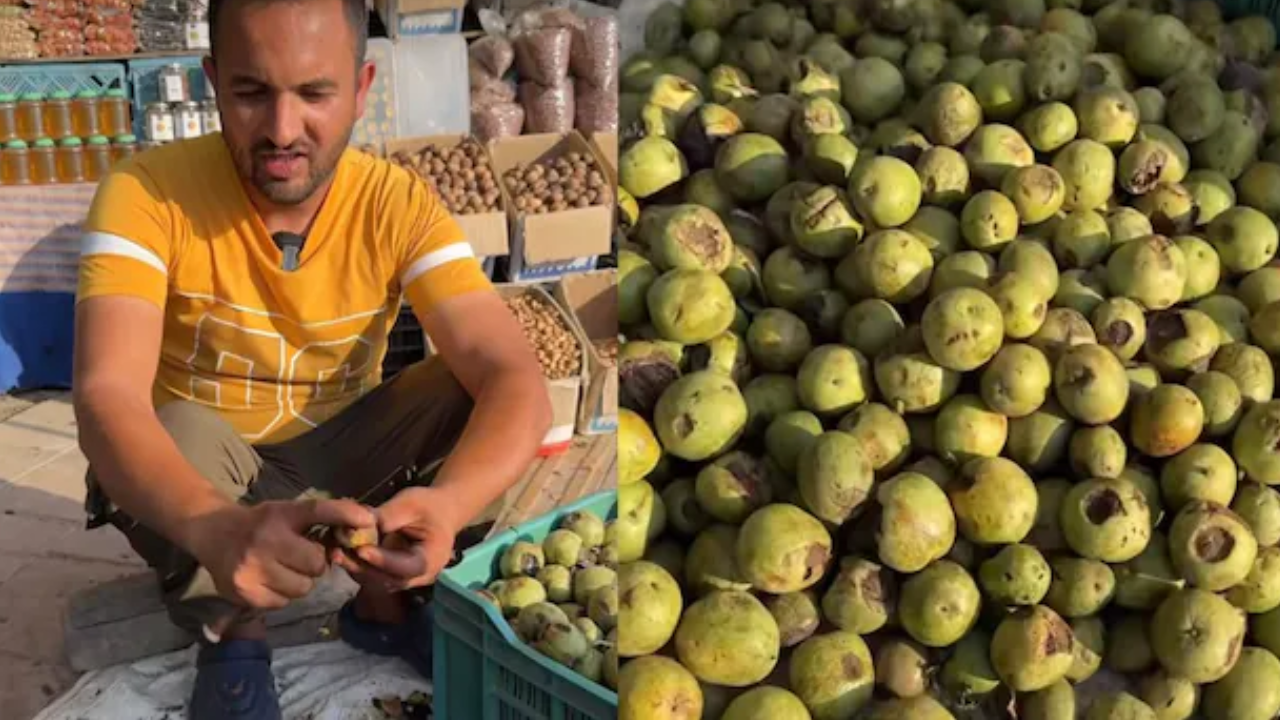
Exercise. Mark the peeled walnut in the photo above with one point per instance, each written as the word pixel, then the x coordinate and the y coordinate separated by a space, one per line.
pixel 544 327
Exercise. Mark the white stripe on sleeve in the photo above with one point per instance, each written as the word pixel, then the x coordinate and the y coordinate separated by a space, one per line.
pixel 434 259
pixel 99 243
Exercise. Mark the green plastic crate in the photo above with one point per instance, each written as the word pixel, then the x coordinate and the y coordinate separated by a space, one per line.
pixel 482 671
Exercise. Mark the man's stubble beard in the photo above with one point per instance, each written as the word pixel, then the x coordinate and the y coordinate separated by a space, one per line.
pixel 320 169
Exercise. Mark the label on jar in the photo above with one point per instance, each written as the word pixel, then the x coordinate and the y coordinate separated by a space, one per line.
pixel 160 127
pixel 173 88
pixel 210 121
pixel 188 124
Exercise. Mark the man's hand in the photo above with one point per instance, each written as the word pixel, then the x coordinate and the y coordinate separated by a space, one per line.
pixel 418 529
pixel 259 555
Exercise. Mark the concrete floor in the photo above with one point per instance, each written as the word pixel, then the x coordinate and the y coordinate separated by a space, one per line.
pixel 46 555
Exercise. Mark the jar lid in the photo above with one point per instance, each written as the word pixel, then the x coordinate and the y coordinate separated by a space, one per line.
pixel 99 140
pixel 33 97
pixel 16 145
pixel 89 94
pixel 60 95
pixel 189 105
pixel 8 97
pixel 71 142
pixel 158 106
pixel 117 93
pixel 125 139
pixel 45 143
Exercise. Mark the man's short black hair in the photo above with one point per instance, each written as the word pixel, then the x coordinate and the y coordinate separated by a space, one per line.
pixel 355 10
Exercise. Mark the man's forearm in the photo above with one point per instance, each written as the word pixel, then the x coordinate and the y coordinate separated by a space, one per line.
pixel 511 416
pixel 140 467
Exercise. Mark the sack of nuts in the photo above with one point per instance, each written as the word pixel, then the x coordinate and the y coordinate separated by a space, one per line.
pixel 542 55
pixel 545 328
pixel 493 54
pixel 490 91
pixel 496 121
pixel 460 175
pixel 553 185
pixel 595 108
pixel 548 108
pixel 596 50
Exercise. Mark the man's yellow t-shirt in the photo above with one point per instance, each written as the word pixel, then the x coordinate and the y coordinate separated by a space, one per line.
pixel 274 352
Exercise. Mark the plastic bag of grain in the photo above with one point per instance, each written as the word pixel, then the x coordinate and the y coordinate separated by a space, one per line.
pixel 496 121
pixel 494 54
pixel 596 46
pixel 596 106
pixel 548 108
pixel 542 54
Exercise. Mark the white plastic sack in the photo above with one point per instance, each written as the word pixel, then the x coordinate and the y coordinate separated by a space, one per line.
pixel 432 86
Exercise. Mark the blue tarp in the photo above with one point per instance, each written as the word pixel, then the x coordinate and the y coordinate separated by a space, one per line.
pixel 35 340
pixel 39 258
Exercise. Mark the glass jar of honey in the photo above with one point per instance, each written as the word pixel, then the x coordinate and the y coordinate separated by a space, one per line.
pixel 44 162
pixel 8 117
pixel 30 115
pixel 71 161
pixel 57 116
pixel 97 158
pixel 84 113
pixel 15 163
pixel 114 114
pixel 124 147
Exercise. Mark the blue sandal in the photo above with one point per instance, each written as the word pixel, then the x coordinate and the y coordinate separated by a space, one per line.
pixel 234 681
pixel 410 641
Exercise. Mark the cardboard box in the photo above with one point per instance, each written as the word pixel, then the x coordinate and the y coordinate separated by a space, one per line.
pixel 606 146
pixel 548 247
pixel 487 232
pixel 407 18
pixel 565 394
pixel 592 302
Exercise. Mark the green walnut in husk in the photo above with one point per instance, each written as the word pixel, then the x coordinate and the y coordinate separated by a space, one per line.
pixel 699 415
pixel 944 177
pixel 917 524
pixel 939 605
pixel 830 157
pixel 649 166
pixel 728 624
pixel 1201 635
pixel 948 114
pixel 1000 90
pixel 994 149
pixel 645 369
pixel 862 596
pixel 782 549
pixel 1088 168
pixel 733 487
pixel 1151 270
pixel 885 191
pixel 818 116
pixel 872 89
pixel 828 694
pixel 834 476
pixel 790 277
pixel 1053 67
pixel 823 223
pixel 752 166
pixel 691 237
pixel 769 115
pixel 705 131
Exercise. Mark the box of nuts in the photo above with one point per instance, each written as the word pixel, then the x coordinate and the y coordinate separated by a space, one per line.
pixel 560 201
pixel 463 175
pixel 561 351
pixel 592 301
